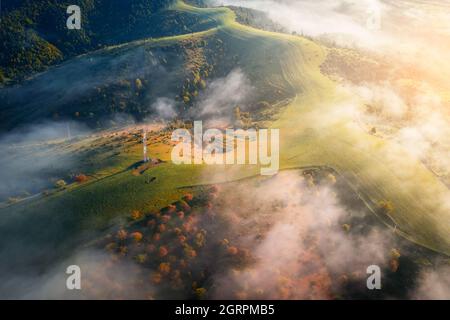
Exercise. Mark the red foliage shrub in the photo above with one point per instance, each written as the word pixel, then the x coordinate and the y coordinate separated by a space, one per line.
pixel 190 252
pixel 81 178
pixel 171 209
pixel 136 215
pixel 163 251
pixel 122 234
pixel 156 278
pixel 165 218
pixel 232 250
pixel 136 236
pixel 394 264
pixel 180 215
pixel 187 227
pixel 182 239
pixel 185 206
pixel 123 250
pixel 164 268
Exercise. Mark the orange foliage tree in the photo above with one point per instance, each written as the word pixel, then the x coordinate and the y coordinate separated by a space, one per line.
pixel 122 234
pixel 163 251
pixel 136 236
pixel 81 178
pixel 164 268
pixel 136 215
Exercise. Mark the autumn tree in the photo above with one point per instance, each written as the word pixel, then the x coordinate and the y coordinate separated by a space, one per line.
pixel 156 237
pixel 171 209
pixel 156 278
pixel 141 258
pixel 165 218
pixel 232 250
pixel 182 239
pixel 136 236
pixel 200 238
pixel 162 228
pixel 138 83
pixel 81 178
pixel 61 184
pixel 121 234
pixel 136 215
pixel 189 252
pixel 180 215
pixel 163 251
pixel 386 207
pixel 200 293
pixel 164 268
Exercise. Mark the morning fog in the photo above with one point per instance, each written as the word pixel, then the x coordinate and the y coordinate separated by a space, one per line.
pixel 229 146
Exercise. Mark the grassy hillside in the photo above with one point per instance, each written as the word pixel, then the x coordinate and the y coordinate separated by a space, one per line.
pixel 315 130
pixel 33 34
pixel 129 78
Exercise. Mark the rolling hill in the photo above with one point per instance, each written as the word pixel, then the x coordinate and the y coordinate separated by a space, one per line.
pixel 315 131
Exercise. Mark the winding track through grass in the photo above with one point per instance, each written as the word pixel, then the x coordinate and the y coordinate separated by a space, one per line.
pixel 315 129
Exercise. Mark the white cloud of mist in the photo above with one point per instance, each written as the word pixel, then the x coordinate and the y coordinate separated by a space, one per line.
pixel 88 82
pixel 383 97
pixel 303 243
pixel 77 77
pixel 417 120
pixel 101 278
pixel 433 285
pixel 30 157
pixel 290 229
pixel 222 95
pixel 410 105
pixel 319 18
pixel 164 108
pixel 44 131
pixel 406 27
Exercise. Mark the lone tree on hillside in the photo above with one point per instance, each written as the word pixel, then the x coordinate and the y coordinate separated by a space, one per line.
pixel 386 207
pixel 61 184
pixel 81 178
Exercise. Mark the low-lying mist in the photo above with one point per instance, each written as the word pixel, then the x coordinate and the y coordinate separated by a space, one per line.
pixel 30 156
pixel 285 237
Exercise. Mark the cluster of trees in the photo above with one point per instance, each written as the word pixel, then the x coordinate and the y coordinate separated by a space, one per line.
pixel 353 66
pixel 33 33
pixel 81 178
pixel 168 243
pixel 197 3
pixel 242 119
pixel 385 207
pixel 257 19
pixel 199 72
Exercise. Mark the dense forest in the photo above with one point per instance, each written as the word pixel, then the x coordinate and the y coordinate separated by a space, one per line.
pixel 33 33
pixel 128 80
